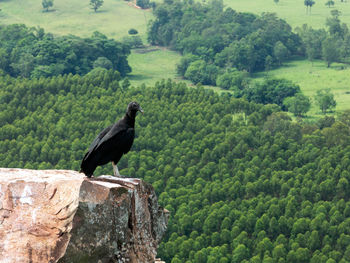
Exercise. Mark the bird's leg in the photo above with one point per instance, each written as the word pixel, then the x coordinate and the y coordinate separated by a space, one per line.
pixel 115 170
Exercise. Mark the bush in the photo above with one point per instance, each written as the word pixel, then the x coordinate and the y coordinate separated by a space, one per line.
pixel 132 31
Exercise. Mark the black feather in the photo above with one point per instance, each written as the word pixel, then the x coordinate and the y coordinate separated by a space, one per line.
pixel 112 142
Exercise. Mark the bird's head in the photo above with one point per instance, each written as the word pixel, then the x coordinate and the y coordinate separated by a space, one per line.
pixel 133 108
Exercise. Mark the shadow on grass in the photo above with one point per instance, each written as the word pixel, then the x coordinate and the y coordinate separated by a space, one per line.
pixel 98 11
pixel 138 77
pixel 48 11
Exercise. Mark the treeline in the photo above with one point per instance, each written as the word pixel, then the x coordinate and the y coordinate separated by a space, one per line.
pixel 331 45
pixel 243 182
pixel 214 40
pixel 219 43
pixel 30 52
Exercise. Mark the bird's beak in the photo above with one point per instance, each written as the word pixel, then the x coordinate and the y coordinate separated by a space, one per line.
pixel 141 110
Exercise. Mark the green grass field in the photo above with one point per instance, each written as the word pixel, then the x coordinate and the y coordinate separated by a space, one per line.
pixel 152 64
pixel 314 76
pixel 294 12
pixel 114 18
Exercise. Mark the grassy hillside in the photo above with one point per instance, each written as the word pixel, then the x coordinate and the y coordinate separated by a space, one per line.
pixel 294 12
pixel 312 77
pixel 152 64
pixel 114 18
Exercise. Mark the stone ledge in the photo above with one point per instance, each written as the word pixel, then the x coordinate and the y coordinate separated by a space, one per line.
pixel 60 215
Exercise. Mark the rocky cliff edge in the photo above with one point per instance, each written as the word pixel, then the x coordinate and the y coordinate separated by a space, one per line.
pixel 62 216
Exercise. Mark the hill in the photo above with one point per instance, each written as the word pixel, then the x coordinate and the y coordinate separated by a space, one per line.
pixel 294 12
pixel 113 19
pixel 152 64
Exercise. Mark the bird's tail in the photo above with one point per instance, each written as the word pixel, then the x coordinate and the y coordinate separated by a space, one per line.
pixel 87 168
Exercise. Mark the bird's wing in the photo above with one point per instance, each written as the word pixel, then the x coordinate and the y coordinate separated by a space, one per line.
pixel 113 132
pixel 118 140
pixel 128 140
pixel 96 141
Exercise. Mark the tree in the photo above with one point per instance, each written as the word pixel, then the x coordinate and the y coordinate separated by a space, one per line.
pixel 132 31
pixel 47 4
pixel 308 4
pixel 143 3
pixel 298 105
pixel 25 65
pixel 280 52
pixel 96 4
pixel 126 83
pixel 276 1
pixel 232 80
pixel 240 253
pixel 329 3
pixel 330 50
pixel 325 100
pixel 270 90
pixel 268 63
pixel 103 62
pixel 312 40
pixel 335 28
pixel 133 41
pixel 201 72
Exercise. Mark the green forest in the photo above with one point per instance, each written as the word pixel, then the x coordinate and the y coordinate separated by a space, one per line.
pixel 30 52
pixel 247 175
pixel 243 182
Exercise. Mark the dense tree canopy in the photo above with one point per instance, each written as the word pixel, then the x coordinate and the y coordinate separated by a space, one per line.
pixel 243 182
pixel 269 91
pixel 221 38
pixel 30 52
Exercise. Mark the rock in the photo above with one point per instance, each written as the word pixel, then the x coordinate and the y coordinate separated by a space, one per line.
pixel 62 216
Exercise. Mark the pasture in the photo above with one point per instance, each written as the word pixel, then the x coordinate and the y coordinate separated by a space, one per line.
pixel 294 12
pixel 314 76
pixel 113 19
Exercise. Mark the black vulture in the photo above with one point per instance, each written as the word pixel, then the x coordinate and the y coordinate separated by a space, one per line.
pixel 112 143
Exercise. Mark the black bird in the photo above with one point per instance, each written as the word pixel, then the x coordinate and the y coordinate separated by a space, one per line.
pixel 112 143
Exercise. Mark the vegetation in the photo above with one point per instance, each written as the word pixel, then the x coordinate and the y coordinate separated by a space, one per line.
pixel 47 4
pixel 325 100
pixel 269 91
pixel 96 4
pixel 77 17
pixel 314 76
pixel 308 4
pixel 217 51
pixel 329 3
pixel 143 3
pixel 293 12
pixel 133 41
pixel 243 182
pixel 132 31
pixel 151 64
pixel 299 104
pixel 216 39
pixel 30 52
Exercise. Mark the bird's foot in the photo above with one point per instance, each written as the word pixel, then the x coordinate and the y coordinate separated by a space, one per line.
pixel 115 170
